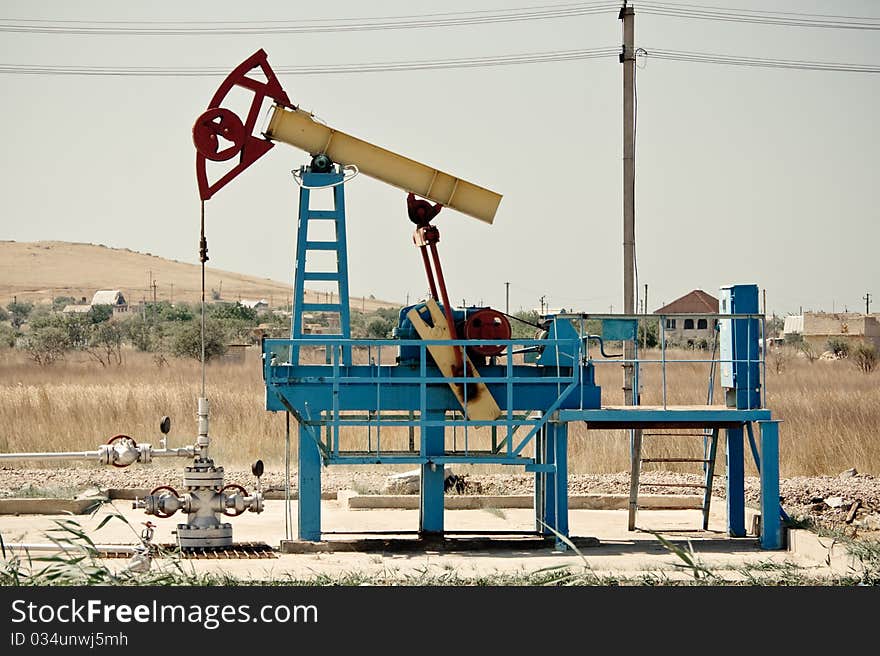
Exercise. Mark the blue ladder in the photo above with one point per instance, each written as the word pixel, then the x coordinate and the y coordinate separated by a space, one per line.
pixel 310 181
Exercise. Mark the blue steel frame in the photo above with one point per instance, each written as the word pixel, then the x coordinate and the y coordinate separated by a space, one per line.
pixel 537 403
pixel 538 400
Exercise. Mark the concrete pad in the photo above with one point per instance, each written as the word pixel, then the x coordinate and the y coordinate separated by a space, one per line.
pixel 36 506
pixel 824 550
pixel 353 501
pixel 619 553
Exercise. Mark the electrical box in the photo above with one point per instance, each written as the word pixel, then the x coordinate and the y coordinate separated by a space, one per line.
pixel 739 340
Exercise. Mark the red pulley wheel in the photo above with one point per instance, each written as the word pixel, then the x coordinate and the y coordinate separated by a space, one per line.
pixel 487 323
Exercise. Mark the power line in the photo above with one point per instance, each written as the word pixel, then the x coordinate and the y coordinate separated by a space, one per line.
pixel 437 64
pixel 329 69
pixel 309 26
pixel 759 62
pixel 738 15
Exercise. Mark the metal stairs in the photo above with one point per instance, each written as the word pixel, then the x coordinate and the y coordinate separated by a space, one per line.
pixel 710 450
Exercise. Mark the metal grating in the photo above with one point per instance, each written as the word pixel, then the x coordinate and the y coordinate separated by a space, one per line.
pixel 240 550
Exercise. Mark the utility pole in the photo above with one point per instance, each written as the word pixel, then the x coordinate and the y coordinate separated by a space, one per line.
pixel 507 298
pixel 154 291
pixel 542 303
pixel 867 299
pixel 628 59
pixel 645 330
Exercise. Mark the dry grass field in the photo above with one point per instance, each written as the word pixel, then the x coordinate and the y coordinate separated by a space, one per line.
pixel 831 411
pixel 39 271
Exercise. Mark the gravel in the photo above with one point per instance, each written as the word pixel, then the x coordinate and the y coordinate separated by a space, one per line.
pixel 804 497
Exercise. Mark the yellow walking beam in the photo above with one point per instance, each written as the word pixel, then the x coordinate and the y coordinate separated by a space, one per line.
pixel 297 128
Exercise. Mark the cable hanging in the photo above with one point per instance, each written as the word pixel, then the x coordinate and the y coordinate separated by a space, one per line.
pixel 739 15
pixel 308 26
pixel 329 69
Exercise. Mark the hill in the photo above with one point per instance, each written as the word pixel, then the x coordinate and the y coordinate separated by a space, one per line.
pixel 40 271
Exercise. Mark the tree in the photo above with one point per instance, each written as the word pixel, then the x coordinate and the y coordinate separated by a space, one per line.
pixel 839 347
pixel 19 312
pixel 379 328
pixel 145 335
pixel 100 313
pixel 59 302
pixel 794 339
pixel 648 334
pixel 8 335
pixel 775 326
pixel 235 311
pixel 105 343
pixel 186 341
pixel 46 344
pixel 165 311
pixel 808 351
pixel 524 328
pixel 866 357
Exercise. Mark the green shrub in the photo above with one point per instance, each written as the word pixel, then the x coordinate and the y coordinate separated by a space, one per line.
pixel 186 340
pixel 866 357
pixel 7 336
pixel 839 346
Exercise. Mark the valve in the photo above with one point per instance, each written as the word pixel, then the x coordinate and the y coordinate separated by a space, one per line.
pixel 162 505
pixel 122 451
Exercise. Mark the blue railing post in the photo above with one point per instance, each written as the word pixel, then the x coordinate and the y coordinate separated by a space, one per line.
pixel 736 496
pixel 771 525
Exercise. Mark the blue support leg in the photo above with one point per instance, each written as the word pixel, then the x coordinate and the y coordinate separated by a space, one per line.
pixel 545 482
pixel 771 526
pixel 551 487
pixel 736 496
pixel 309 475
pixel 559 444
pixel 432 479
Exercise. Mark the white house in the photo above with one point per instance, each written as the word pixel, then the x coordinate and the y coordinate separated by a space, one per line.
pixel 112 297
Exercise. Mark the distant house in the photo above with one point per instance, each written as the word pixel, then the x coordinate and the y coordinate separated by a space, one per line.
pixel 112 297
pixel 76 309
pixel 817 328
pixel 255 305
pixel 690 330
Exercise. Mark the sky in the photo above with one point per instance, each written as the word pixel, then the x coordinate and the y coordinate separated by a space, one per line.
pixel 743 174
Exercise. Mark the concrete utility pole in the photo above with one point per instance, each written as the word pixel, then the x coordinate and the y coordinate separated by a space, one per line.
pixel 628 59
pixel 507 298
pixel 867 299
pixel 542 303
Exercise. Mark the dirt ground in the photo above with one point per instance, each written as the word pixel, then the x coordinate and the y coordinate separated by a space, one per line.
pixel 828 501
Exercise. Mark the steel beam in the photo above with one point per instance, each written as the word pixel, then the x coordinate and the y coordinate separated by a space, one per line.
pixel 771 524
pixel 736 497
pixel 309 473
pixel 432 479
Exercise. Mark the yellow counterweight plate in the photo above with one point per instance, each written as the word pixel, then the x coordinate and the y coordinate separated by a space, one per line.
pixel 480 404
